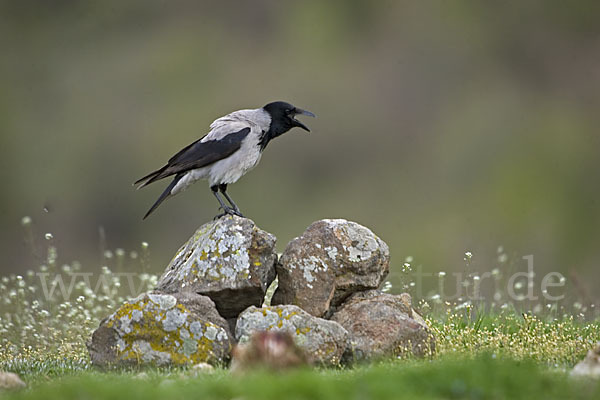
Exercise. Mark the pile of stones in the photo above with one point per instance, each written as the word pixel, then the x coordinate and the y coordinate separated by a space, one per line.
pixel 212 296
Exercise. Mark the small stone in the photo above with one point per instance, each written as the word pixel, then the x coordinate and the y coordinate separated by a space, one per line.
pixel 230 260
pixel 590 365
pixel 202 368
pixel 167 382
pixel 324 341
pixel 333 259
pixel 383 325
pixel 162 329
pixel 141 376
pixel 273 350
pixel 10 381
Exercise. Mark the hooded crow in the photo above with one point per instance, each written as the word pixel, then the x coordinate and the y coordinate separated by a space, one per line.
pixel 232 147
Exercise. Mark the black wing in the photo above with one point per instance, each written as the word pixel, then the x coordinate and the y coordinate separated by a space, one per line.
pixel 197 155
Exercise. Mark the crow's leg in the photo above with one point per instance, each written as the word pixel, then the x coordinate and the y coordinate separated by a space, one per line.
pixel 226 209
pixel 223 188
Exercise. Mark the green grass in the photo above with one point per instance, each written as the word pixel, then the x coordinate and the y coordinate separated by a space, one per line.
pixel 553 342
pixel 492 356
pixel 493 352
pixel 498 356
pixel 481 377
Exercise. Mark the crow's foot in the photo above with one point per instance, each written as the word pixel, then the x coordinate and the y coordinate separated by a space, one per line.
pixel 228 211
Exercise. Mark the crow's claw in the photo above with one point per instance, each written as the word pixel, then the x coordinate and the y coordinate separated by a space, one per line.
pixel 228 211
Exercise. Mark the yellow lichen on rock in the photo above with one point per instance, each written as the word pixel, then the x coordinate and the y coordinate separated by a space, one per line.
pixel 230 261
pixel 157 329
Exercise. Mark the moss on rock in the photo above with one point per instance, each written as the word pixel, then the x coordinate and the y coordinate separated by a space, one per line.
pixel 230 260
pixel 162 329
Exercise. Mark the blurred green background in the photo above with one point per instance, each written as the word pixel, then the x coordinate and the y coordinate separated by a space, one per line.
pixel 444 126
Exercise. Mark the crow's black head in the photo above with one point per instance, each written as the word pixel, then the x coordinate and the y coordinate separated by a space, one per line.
pixel 282 118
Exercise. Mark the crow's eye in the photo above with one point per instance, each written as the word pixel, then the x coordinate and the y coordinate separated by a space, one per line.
pixel 288 111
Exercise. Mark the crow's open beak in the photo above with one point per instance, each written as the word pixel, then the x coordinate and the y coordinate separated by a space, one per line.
pixel 299 111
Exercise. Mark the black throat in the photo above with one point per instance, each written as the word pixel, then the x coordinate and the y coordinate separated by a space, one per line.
pixel 277 128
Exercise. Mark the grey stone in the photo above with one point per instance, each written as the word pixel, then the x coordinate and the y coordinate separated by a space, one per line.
pixel 590 365
pixel 10 381
pixel 383 325
pixel 229 260
pixel 324 341
pixel 202 368
pixel 333 259
pixel 162 329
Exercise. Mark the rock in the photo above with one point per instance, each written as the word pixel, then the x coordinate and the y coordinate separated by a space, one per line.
pixel 167 383
pixel 141 376
pixel 402 301
pixel 590 365
pixel 162 329
pixel 202 368
pixel 324 341
pixel 273 350
pixel 331 260
pixel 229 260
pixel 383 325
pixel 9 381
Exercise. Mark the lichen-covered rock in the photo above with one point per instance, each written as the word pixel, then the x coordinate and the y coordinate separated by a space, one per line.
pixel 331 260
pixel 162 329
pixel 229 260
pixel 324 341
pixel 383 325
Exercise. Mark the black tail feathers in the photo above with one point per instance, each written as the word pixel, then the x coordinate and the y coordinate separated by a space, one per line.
pixel 148 179
pixel 164 194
